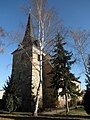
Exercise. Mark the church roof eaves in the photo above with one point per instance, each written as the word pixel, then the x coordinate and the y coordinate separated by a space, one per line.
pixel 16 51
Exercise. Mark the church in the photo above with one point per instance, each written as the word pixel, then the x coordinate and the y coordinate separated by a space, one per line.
pixel 26 74
pixel 25 71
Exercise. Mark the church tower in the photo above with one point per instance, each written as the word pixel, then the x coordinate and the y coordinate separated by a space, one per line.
pixel 26 72
pixel 25 68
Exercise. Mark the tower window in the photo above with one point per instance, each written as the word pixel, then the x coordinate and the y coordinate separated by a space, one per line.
pixel 38 57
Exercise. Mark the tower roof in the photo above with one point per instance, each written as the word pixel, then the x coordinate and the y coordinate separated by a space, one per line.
pixel 29 34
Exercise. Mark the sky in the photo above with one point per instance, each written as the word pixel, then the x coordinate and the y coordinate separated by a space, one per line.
pixel 74 13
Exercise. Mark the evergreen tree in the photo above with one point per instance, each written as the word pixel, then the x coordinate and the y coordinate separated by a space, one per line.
pixel 61 74
pixel 10 99
pixel 86 98
pixel 88 74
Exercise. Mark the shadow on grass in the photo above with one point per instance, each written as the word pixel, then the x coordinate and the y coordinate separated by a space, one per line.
pixel 28 116
pixel 55 117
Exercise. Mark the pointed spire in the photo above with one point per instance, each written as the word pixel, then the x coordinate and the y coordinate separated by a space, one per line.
pixel 29 33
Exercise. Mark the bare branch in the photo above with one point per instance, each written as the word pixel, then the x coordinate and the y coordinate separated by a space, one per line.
pixel 81 45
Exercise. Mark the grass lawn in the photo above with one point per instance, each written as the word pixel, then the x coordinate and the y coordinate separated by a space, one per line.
pixel 75 114
pixel 78 111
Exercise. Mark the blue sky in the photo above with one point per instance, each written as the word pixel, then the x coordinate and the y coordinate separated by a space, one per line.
pixel 74 13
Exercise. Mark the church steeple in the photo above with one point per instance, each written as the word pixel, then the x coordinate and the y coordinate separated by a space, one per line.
pixel 29 34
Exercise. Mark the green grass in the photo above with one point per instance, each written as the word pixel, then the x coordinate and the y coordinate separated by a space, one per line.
pixel 74 112
pixel 78 111
pixel 16 114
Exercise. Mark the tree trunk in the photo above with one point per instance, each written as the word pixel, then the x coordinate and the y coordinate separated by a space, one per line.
pixel 40 73
pixel 36 105
pixel 67 107
pixel 40 82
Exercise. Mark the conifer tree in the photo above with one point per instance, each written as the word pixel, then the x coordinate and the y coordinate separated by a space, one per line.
pixel 61 74
pixel 6 96
pixel 88 73
pixel 11 101
pixel 86 98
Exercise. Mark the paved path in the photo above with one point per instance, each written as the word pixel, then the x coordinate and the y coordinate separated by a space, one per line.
pixel 51 115
pixel 53 112
pixel 47 118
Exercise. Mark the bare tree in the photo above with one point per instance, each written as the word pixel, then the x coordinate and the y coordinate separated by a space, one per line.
pixel 81 46
pixel 46 25
pixel 45 20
